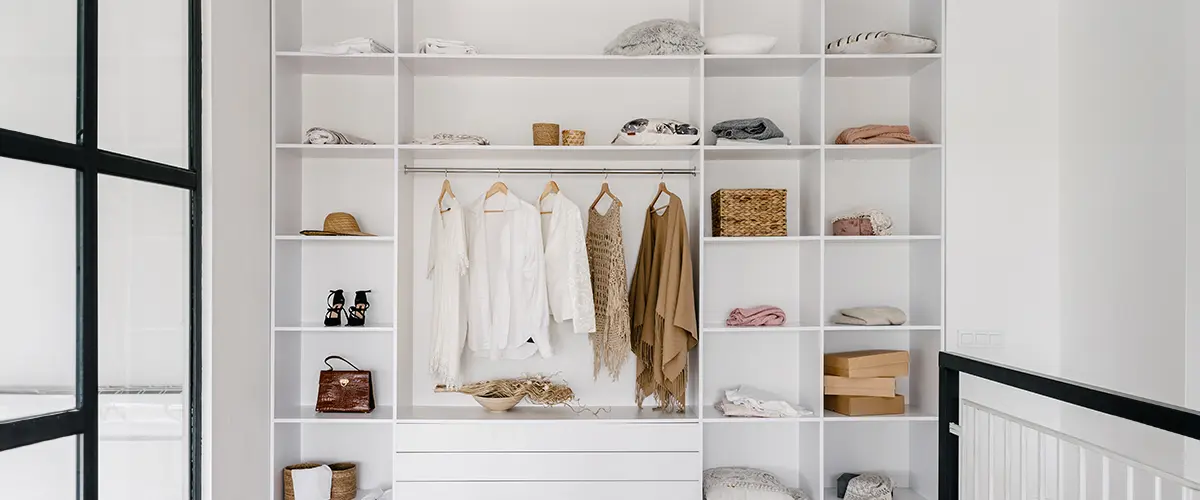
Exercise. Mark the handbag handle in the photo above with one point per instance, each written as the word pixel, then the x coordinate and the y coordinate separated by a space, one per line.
pixel 343 360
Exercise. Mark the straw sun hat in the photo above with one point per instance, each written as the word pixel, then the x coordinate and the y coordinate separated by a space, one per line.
pixel 338 224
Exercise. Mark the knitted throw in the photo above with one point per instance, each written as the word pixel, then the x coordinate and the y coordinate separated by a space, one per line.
pixel 606 260
pixel 759 129
pixel 877 134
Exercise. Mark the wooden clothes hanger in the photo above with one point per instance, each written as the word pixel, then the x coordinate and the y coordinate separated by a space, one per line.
pixel 497 187
pixel 445 190
pixel 605 191
pixel 662 188
pixel 551 188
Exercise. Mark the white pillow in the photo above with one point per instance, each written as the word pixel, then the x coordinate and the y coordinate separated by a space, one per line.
pixel 657 132
pixel 739 44
pixel 881 42
pixel 745 483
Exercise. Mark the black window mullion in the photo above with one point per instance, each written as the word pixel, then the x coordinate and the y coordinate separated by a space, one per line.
pixel 33 430
pixel 129 167
pixel 32 148
pixel 87 385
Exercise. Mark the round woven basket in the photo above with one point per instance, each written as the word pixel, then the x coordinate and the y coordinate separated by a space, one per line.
pixel 345 481
pixel 289 492
pixel 545 134
pixel 573 137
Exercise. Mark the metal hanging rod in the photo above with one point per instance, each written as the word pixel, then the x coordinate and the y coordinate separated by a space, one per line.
pixel 549 171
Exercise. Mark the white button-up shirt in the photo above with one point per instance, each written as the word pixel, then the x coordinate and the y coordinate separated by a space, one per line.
pixel 568 279
pixel 507 316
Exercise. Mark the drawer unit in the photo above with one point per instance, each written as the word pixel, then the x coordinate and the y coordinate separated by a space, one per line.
pixel 548 466
pixel 548 436
pixel 658 490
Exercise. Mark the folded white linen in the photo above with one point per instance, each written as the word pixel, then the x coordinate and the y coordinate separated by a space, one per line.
pixel 358 45
pixel 750 402
pixel 313 484
pixel 440 46
pixel 445 139
pixel 318 135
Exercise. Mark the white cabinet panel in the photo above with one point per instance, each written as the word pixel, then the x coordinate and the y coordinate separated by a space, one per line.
pixel 565 436
pixel 658 490
pixel 548 466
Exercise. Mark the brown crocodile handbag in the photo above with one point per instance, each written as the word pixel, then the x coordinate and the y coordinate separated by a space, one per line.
pixel 345 391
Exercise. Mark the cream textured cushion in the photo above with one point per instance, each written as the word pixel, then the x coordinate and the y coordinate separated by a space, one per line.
pixel 739 44
pixel 881 42
pixel 744 483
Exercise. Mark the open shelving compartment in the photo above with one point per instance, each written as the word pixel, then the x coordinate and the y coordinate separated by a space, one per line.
pixel 541 61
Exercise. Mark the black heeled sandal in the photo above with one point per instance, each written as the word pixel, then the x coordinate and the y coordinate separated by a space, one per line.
pixel 336 301
pixel 357 314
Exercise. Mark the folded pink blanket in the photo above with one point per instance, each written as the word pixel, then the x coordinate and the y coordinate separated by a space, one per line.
pixel 756 316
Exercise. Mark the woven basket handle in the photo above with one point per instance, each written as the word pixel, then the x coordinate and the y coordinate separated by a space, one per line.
pixel 343 360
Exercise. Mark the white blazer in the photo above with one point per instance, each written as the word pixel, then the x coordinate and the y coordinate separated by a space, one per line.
pixel 507 315
pixel 568 279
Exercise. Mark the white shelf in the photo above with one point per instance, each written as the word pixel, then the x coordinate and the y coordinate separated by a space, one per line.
pixel 735 330
pixel 714 416
pixel 876 65
pixel 530 152
pixel 309 415
pixel 338 239
pixel 910 415
pixel 866 152
pixel 897 494
pixel 883 239
pixel 350 64
pixel 340 330
pixel 526 412
pixel 338 150
pixel 760 65
pixel 781 152
pixel 900 328
pixel 550 65
pixel 758 240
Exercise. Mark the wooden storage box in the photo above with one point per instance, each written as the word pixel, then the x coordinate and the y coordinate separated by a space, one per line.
pixel 856 406
pixel 880 387
pixel 749 212
pixel 867 364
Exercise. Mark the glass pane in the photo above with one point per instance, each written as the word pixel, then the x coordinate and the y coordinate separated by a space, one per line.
pixel 144 263
pixel 37 67
pixel 45 471
pixel 37 263
pixel 143 79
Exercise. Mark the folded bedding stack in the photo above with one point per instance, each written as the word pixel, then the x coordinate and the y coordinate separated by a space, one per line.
pixel 756 316
pixel 871 316
pixel 445 139
pixel 360 45
pixel 750 402
pixel 878 134
pixel 450 47
pixel 749 132
pixel 325 136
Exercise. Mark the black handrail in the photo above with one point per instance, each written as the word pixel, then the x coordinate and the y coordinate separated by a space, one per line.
pixel 1170 418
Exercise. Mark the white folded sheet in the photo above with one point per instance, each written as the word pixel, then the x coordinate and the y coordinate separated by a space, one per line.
pixel 358 45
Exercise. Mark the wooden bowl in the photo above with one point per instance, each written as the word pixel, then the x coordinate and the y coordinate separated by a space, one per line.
pixel 498 405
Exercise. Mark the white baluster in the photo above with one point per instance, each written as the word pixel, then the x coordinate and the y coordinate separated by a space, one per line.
pixel 1104 487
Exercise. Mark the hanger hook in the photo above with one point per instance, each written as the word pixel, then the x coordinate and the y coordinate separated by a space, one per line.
pixel 497 172
pixel 662 174
pixel 605 174
pixel 446 173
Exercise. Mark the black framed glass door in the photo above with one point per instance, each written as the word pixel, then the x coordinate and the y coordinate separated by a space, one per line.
pixel 100 383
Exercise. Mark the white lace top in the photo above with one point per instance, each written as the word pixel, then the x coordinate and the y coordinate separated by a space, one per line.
pixel 568 280
pixel 448 271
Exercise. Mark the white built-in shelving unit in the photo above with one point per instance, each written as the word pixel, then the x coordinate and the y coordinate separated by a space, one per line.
pixel 541 61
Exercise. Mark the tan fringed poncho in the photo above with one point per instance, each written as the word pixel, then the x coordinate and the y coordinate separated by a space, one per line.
pixel 662 299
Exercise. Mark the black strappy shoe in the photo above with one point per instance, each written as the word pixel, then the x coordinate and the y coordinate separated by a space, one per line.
pixel 357 314
pixel 336 301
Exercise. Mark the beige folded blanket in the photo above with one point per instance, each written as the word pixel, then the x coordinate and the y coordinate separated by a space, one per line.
pixel 877 134
pixel 871 316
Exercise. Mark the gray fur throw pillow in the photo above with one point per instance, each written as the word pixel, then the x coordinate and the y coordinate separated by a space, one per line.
pixel 657 37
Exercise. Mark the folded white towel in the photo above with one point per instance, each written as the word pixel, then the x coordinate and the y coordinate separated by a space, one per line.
pixel 318 135
pixel 440 46
pixel 350 46
pixel 444 139
pixel 750 402
pixel 313 484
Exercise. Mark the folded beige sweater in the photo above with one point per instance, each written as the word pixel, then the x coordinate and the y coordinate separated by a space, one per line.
pixel 871 316
pixel 877 134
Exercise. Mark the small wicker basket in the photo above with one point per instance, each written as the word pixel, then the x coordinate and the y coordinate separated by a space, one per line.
pixel 345 480
pixel 545 134
pixel 749 212
pixel 573 137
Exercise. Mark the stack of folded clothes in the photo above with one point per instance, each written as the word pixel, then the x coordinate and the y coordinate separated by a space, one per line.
pixel 871 316
pixel 444 139
pixel 878 134
pixel 749 402
pixel 318 135
pixel 756 316
pixel 440 46
pixel 346 47
pixel 749 131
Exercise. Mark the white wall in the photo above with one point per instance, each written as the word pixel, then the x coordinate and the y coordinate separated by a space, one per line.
pixel 237 197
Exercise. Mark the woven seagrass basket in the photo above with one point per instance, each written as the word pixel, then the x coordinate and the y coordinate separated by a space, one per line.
pixel 749 212
pixel 545 134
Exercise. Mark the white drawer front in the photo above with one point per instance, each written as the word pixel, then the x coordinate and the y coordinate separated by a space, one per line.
pixel 547 467
pixel 562 436
pixel 549 491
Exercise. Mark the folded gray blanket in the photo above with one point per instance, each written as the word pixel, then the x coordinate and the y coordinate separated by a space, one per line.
pixel 747 128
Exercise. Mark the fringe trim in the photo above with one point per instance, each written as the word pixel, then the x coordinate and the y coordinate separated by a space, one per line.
pixel 670 394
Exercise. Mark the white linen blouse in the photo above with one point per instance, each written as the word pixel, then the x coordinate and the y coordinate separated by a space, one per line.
pixel 448 265
pixel 568 278
pixel 507 316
